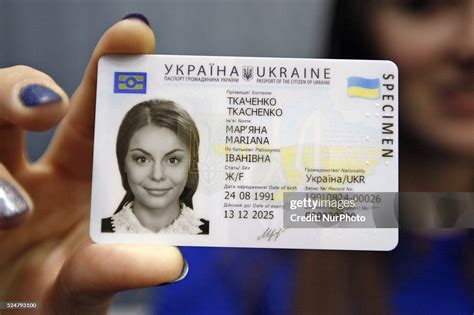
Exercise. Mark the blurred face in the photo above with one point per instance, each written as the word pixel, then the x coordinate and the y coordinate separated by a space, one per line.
pixel 157 165
pixel 432 42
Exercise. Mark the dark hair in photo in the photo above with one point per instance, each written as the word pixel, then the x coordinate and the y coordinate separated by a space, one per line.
pixel 160 113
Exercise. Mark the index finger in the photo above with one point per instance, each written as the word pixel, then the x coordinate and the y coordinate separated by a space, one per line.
pixel 71 149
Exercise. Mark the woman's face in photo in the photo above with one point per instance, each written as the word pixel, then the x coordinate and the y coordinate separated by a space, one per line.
pixel 432 42
pixel 157 166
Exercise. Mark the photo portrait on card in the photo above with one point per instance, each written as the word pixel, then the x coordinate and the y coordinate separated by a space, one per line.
pixel 157 155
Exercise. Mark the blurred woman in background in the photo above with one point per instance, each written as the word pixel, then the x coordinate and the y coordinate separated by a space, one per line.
pixel 432 270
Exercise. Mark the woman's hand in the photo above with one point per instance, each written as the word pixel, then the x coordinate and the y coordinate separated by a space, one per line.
pixel 46 255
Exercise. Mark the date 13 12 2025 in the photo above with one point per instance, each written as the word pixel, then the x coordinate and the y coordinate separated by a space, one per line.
pixel 245 214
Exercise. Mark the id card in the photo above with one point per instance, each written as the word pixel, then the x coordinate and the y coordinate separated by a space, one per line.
pixel 246 152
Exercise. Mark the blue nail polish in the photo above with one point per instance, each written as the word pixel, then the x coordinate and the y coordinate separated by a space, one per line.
pixel 183 274
pixel 35 94
pixel 139 16
pixel 12 203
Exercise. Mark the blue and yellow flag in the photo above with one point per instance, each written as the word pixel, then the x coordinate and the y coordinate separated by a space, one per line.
pixel 363 87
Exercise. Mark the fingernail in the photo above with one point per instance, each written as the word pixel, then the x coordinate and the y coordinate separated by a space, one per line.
pixel 12 203
pixel 183 274
pixel 139 16
pixel 35 94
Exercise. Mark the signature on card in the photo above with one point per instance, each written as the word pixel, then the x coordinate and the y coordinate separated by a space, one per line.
pixel 271 234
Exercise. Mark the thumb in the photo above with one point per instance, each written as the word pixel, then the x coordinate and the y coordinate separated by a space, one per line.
pixel 71 148
pixel 90 278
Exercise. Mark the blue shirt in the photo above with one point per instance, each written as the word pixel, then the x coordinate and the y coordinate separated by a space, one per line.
pixel 256 281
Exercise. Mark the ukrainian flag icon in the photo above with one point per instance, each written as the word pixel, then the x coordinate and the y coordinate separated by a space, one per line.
pixel 130 82
pixel 363 87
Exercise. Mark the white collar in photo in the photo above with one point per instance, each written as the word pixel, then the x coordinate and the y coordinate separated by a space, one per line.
pixel 125 221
